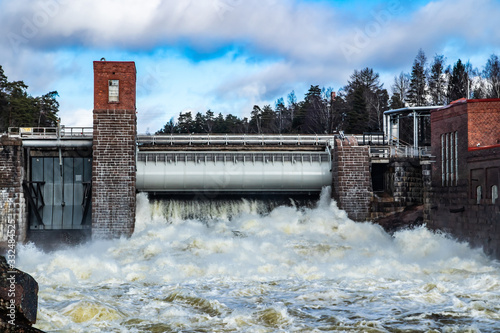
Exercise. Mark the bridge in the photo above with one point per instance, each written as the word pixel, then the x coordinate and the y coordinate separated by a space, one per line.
pixel 179 163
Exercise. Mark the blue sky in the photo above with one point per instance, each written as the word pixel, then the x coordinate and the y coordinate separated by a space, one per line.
pixel 228 55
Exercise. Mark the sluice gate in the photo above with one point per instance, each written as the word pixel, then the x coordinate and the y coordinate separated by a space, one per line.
pixel 58 178
pixel 230 171
pixel 233 163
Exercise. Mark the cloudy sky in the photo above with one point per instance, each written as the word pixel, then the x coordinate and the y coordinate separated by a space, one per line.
pixel 228 55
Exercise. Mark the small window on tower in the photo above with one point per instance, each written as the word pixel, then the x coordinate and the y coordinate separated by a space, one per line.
pixel 113 91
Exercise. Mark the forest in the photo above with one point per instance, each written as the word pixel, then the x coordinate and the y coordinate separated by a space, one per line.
pixel 355 108
pixel 19 109
pixel 358 106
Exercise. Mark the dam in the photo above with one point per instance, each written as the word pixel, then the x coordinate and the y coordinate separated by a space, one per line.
pixel 84 181
pixel 59 169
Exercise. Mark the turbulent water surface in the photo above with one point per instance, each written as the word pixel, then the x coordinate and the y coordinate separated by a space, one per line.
pixel 242 269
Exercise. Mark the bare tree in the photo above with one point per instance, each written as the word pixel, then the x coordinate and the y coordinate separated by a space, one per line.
pixel 401 85
pixel 492 74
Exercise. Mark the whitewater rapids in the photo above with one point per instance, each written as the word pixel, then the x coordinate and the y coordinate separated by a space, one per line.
pixel 241 268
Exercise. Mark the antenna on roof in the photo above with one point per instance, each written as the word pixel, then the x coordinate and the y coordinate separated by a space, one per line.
pixel 103 59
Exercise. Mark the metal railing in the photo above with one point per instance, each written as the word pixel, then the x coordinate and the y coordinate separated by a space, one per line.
pixel 255 139
pixel 401 151
pixel 371 138
pixel 379 144
pixel 234 139
pixel 199 139
pixel 50 132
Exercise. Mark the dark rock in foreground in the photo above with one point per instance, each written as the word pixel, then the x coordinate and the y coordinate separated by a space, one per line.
pixel 411 217
pixel 18 299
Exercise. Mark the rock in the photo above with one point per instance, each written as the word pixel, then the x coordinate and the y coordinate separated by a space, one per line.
pixel 411 217
pixel 18 299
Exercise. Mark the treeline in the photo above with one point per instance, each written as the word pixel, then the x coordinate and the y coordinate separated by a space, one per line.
pixel 358 106
pixel 19 109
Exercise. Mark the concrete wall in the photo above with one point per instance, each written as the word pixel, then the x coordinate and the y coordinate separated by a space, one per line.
pixel 12 202
pixel 114 149
pixel 352 186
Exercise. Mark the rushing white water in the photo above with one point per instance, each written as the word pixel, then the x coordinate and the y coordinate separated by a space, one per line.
pixel 292 269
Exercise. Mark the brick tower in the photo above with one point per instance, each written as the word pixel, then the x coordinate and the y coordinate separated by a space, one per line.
pixel 114 146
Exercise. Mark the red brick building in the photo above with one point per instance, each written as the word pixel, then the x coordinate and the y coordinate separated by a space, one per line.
pixel 114 138
pixel 466 172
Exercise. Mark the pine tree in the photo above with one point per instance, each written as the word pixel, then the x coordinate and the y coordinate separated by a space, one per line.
pixel 19 109
pixel 185 122
pixel 458 82
pixel 417 94
pixel 396 102
pixel 366 83
pixel 357 115
pixel 437 82
pixel 256 120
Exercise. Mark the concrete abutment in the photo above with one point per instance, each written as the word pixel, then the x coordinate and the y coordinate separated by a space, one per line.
pixel 351 184
pixel 13 210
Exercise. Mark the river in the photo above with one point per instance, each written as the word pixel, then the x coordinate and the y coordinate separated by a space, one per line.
pixel 242 268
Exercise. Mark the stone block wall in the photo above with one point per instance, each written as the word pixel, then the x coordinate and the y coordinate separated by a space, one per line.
pixel 404 188
pixel 12 202
pixel 114 149
pixel 352 186
pixel 479 224
pixel 407 181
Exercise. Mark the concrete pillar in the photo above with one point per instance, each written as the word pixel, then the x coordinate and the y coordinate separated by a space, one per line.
pixel 13 214
pixel 352 185
pixel 114 149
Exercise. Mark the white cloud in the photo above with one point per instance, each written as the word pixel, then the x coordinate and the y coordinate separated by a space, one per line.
pixel 292 30
pixel 282 45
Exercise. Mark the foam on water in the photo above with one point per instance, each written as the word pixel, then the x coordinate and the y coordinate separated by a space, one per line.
pixel 245 269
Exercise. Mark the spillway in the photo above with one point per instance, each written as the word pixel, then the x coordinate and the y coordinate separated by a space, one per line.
pixel 288 269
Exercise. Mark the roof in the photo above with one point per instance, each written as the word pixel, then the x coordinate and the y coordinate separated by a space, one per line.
pixel 413 108
pixel 466 101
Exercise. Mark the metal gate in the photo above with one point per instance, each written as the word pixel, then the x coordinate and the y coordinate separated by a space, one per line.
pixel 58 193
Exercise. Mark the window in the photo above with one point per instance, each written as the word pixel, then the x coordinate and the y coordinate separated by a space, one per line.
pixel 456 158
pixel 447 175
pixel 113 91
pixel 494 194
pixel 443 172
pixel 449 159
pixel 479 194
